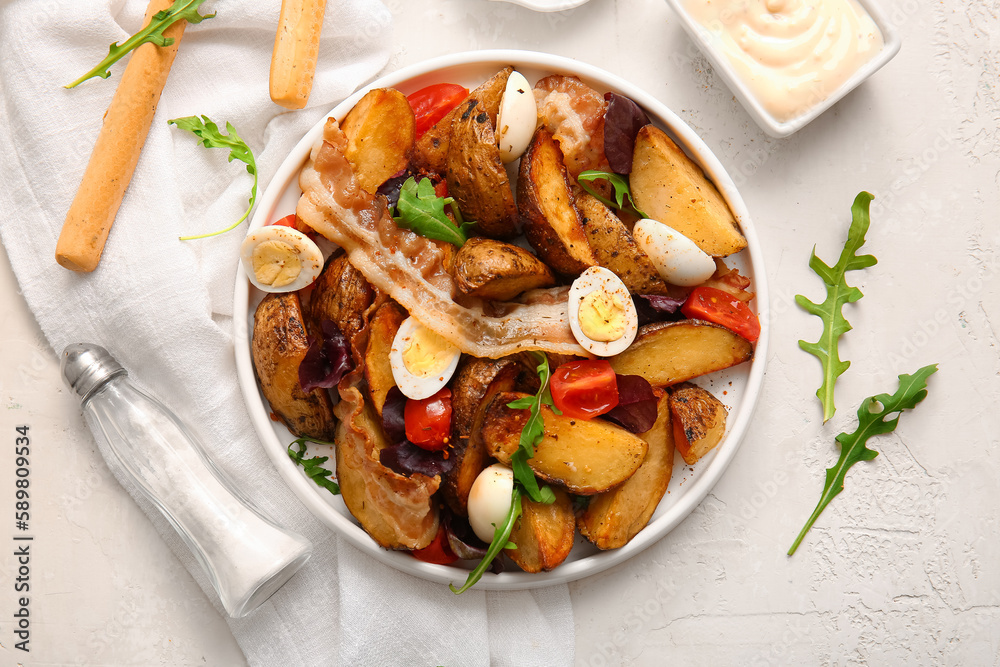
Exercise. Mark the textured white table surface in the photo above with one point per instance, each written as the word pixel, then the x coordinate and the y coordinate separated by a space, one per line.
pixel 902 568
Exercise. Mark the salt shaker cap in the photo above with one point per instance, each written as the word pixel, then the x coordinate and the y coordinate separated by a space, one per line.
pixel 86 366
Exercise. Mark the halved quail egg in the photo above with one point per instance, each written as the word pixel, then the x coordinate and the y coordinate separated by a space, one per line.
pixel 422 361
pixel 280 259
pixel 602 315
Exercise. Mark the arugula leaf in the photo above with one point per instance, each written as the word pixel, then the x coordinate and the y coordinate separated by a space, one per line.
pixel 873 419
pixel 501 537
pixel 838 292
pixel 312 466
pixel 525 483
pixel 212 137
pixel 617 181
pixel 181 10
pixel 422 211
pixel 532 432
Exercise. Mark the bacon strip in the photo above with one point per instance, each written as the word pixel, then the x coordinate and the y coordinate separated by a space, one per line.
pixel 574 113
pixel 411 268
pixel 394 509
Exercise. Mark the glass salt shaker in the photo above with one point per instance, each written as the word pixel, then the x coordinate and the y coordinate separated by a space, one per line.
pixel 246 555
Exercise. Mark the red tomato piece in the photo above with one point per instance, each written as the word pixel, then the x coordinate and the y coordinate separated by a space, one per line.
pixel 584 389
pixel 428 421
pixel 291 220
pixel 433 103
pixel 441 189
pixel 437 551
pixel 287 221
pixel 715 305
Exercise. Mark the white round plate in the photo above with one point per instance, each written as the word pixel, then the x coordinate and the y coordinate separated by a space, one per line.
pixel 737 387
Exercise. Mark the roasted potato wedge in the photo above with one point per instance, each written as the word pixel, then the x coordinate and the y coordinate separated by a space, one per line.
pixel 616 250
pixel 381 331
pixel 380 133
pixel 669 187
pixel 477 178
pixel 666 353
pixel 431 150
pixel 342 295
pixel 278 347
pixel 499 271
pixel 551 221
pixel 614 517
pixel 586 457
pixel 543 533
pixel 699 421
pixel 476 382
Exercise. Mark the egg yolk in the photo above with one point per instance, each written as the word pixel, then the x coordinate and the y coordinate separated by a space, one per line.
pixel 275 263
pixel 427 354
pixel 603 316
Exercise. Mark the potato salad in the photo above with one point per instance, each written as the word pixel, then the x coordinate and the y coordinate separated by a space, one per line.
pixel 493 304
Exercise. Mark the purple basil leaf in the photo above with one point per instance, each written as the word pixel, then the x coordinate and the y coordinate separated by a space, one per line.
pixel 663 304
pixel 657 308
pixel 393 185
pixel 636 409
pixel 406 458
pixel 461 538
pixel 622 122
pixel 326 360
pixel 393 419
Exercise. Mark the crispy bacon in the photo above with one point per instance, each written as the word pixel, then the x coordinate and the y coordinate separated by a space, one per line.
pixel 730 280
pixel 394 509
pixel 574 113
pixel 412 269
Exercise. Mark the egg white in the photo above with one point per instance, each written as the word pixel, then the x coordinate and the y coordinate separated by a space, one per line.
pixel 517 118
pixel 677 258
pixel 489 500
pixel 594 278
pixel 309 255
pixel 415 386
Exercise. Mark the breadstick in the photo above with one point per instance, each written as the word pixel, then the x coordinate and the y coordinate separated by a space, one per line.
pixel 116 152
pixel 296 45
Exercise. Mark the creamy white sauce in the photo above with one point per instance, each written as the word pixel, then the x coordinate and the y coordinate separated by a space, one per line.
pixel 792 54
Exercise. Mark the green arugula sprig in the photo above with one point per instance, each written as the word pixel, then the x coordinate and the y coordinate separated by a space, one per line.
pixel 617 181
pixel 420 210
pixel 212 137
pixel 525 483
pixel 311 467
pixel 838 293
pixel 532 432
pixel 875 416
pixel 181 10
pixel 501 541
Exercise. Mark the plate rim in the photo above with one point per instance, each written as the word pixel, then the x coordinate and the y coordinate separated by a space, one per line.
pixel 546 5
pixel 307 492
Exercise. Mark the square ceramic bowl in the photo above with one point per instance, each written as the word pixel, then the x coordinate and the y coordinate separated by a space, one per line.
pixel 710 46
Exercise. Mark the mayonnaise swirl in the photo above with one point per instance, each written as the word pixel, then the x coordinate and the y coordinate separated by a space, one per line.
pixel 792 54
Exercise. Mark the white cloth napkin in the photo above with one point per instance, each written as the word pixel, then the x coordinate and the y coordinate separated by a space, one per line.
pixel 164 307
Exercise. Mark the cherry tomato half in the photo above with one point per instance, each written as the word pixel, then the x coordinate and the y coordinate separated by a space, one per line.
pixel 287 221
pixel 291 220
pixel 715 305
pixel 437 551
pixel 428 421
pixel 584 389
pixel 433 103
